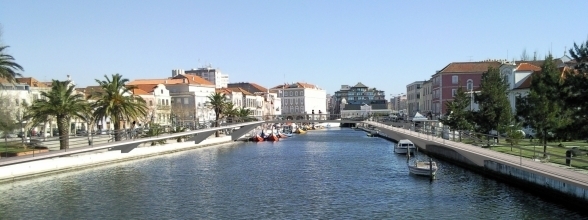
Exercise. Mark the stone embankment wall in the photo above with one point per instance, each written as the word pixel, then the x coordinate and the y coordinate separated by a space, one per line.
pixel 541 179
pixel 74 162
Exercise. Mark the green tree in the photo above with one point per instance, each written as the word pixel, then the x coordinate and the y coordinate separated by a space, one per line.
pixel 514 134
pixel 245 114
pixel 8 68
pixel 88 117
pixel 7 124
pixel 495 112
pixel 218 102
pixel 457 117
pixel 62 103
pixel 115 101
pixel 575 90
pixel 542 108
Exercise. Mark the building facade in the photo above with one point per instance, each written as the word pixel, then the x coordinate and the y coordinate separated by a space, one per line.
pixel 301 98
pixel 458 74
pixel 213 75
pixel 159 102
pixel 353 101
pixel 189 98
pixel 413 97
pixel 426 98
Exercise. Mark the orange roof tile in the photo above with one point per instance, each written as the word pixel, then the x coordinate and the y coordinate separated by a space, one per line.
pixel 527 67
pixel 137 91
pixel 31 82
pixel 223 91
pixel 469 67
pixel 148 88
pixel 247 86
pixel 241 90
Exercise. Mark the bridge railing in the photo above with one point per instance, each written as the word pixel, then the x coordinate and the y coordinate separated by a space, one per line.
pixel 92 137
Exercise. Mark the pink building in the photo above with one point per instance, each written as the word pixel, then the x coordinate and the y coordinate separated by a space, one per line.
pixel 446 82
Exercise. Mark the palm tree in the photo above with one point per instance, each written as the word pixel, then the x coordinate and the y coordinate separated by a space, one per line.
pixel 230 112
pixel 88 117
pixel 245 114
pixel 62 103
pixel 218 102
pixel 115 101
pixel 8 67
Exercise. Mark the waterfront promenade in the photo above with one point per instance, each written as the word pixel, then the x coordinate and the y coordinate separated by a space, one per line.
pixel 48 163
pixel 543 174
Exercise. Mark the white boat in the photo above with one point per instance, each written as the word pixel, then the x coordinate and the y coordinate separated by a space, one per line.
pixel 422 168
pixel 403 146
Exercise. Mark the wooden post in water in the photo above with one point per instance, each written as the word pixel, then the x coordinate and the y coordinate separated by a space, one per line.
pixel 408 155
pixel 431 168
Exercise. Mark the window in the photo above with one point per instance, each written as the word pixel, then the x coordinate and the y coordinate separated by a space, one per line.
pixel 453 92
pixel 186 101
pixel 162 91
pixel 150 102
pixel 454 79
pixel 470 85
pixel 291 93
pixel 301 93
pixel 296 93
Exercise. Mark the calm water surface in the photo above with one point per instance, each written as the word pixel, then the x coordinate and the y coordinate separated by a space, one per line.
pixel 335 174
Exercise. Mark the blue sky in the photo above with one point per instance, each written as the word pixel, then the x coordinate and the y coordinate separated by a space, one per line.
pixel 383 44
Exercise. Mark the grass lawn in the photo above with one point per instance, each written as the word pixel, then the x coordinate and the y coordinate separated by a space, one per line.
pixel 557 154
pixel 13 147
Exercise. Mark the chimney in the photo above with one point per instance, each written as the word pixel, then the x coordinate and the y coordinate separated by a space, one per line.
pixel 184 80
pixel 165 82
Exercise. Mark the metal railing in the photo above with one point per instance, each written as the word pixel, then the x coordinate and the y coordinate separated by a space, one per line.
pixel 556 154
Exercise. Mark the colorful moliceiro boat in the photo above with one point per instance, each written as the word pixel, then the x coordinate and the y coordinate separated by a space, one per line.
pixel 272 137
pixel 256 138
pixel 404 146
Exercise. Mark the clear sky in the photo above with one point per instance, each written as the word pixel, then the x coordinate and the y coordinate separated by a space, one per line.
pixel 382 43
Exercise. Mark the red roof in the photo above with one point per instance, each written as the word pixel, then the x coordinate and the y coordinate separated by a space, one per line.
pixel 469 67
pixel 527 67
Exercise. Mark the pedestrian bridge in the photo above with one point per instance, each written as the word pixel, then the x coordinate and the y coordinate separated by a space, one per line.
pixel 238 127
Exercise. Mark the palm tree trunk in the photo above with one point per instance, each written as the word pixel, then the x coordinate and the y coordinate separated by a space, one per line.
pixel 117 131
pixel 217 133
pixel 89 129
pixel 63 128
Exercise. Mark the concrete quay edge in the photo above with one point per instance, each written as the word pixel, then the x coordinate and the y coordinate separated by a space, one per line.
pixel 509 166
pixel 39 168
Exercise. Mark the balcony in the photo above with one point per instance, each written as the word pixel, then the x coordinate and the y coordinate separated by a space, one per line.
pixel 163 107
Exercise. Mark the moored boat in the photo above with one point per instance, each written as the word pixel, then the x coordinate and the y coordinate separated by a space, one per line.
pixel 256 138
pixel 300 131
pixel 404 146
pixel 272 137
pixel 422 168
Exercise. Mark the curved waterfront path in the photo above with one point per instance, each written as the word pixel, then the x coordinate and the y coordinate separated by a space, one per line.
pixel 523 163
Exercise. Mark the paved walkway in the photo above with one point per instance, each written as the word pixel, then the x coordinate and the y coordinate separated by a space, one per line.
pixel 547 168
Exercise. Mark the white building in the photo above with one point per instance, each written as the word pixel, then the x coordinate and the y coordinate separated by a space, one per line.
pixel 189 98
pixel 301 98
pixel 215 76
pixel 413 94
pixel 158 100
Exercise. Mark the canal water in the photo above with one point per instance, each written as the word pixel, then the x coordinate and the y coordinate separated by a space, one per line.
pixel 327 174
